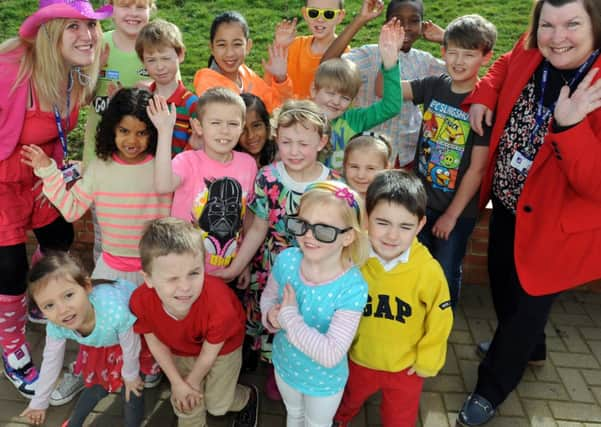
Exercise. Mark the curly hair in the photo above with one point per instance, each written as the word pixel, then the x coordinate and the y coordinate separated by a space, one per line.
pixel 126 102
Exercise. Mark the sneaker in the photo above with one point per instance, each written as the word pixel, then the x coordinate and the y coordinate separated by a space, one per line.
pixel 19 369
pixel 67 389
pixel 476 411
pixel 35 315
pixel 482 349
pixel 153 380
pixel 249 415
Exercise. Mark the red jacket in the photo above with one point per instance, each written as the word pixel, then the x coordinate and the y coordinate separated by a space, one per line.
pixel 558 217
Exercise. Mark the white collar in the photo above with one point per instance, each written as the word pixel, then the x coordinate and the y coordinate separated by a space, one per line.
pixel 403 258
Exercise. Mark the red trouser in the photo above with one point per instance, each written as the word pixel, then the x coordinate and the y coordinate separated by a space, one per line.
pixel 400 395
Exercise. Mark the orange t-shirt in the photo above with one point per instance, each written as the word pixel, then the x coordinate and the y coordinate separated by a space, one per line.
pixel 273 94
pixel 302 65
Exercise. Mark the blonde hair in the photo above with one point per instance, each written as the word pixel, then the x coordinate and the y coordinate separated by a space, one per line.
pixel 303 112
pixel 165 236
pixel 43 63
pixel 371 141
pixel 220 95
pixel 338 196
pixel 159 34
pixel 124 3
pixel 340 75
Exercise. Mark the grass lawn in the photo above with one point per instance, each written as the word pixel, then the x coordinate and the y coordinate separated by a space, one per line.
pixel 194 19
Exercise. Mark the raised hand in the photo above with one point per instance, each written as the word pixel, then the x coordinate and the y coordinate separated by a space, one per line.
pixel 371 9
pixel 277 64
pixel 432 32
pixel 391 41
pixel 161 115
pixel 285 32
pixel 570 110
pixel 33 156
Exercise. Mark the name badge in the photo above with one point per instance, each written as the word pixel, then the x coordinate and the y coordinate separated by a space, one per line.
pixel 71 173
pixel 521 163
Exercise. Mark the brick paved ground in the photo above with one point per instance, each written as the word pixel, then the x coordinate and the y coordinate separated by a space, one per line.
pixel 566 392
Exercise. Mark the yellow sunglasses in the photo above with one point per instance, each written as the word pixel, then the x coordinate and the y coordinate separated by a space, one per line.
pixel 327 14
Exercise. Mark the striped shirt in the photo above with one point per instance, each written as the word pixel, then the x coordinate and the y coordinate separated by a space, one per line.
pixel 123 194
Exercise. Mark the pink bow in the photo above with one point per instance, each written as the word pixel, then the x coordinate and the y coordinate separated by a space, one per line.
pixel 343 193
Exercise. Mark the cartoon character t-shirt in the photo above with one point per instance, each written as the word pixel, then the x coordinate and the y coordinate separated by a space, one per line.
pixel 445 142
pixel 213 196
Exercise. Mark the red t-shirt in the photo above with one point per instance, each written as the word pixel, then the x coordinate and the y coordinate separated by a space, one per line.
pixel 216 316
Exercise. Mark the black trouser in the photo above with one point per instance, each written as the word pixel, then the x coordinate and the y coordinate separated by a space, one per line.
pixel 58 235
pixel 133 411
pixel 520 335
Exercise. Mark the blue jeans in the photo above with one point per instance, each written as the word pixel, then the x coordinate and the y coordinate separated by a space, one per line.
pixel 449 253
pixel 133 411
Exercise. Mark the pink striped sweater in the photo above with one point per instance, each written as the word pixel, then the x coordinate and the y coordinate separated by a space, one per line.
pixel 124 197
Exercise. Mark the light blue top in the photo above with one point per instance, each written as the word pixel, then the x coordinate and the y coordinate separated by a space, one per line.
pixel 317 304
pixel 111 306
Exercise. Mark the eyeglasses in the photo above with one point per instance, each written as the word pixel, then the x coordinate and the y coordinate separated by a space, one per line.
pixel 322 232
pixel 327 14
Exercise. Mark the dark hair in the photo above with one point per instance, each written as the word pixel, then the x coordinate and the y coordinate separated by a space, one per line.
pixel 269 150
pixel 471 32
pixel 592 7
pixel 397 186
pixel 227 18
pixel 126 102
pixel 396 3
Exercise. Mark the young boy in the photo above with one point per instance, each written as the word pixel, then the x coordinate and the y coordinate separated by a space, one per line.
pixel 450 158
pixel 122 67
pixel 337 82
pixel 161 48
pixel 403 129
pixel 212 186
pixel 402 337
pixel 304 52
pixel 193 324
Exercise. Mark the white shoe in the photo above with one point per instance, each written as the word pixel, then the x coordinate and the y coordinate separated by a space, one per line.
pixel 67 389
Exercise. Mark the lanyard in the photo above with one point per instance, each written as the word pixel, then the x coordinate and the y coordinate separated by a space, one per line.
pixel 59 122
pixel 542 117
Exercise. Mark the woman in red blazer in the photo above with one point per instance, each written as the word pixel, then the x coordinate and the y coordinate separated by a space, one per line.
pixel 545 184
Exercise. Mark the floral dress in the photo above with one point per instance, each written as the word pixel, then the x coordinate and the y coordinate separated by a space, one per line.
pixel 276 196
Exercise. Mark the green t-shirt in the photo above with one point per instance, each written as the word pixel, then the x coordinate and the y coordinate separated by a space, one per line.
pixel 122 68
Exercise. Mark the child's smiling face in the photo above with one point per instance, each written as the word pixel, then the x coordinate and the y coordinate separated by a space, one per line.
pixel 410 16
pixel 229 48
pixel 320 27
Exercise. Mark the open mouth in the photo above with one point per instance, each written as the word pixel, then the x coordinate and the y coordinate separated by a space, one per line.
pixel 69 319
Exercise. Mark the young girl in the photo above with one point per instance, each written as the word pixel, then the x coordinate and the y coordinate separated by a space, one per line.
pixel 256 136
pixel 230 45
pixel 301 133
pixel 120 183
pixel 364 156
pixel 314 300
pixel 98 318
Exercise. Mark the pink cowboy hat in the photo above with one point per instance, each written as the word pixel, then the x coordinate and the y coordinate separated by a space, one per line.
pixel 52 9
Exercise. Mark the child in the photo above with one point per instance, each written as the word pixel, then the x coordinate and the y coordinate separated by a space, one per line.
pixel 160 47
pixel 120 183
pixel 364 156
pixel 337 82
pixel 402 337
pixel 122 67
pixel 450 158
pixel 194 326
pixel 313 302
pixel 230 44
pixel 96 316
pixel 301 133
pixel 256 138
pixel 414 63
pixel 304 52
pixel 212 186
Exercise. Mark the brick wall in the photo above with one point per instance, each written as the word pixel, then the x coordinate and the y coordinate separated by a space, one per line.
pixel 474 265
